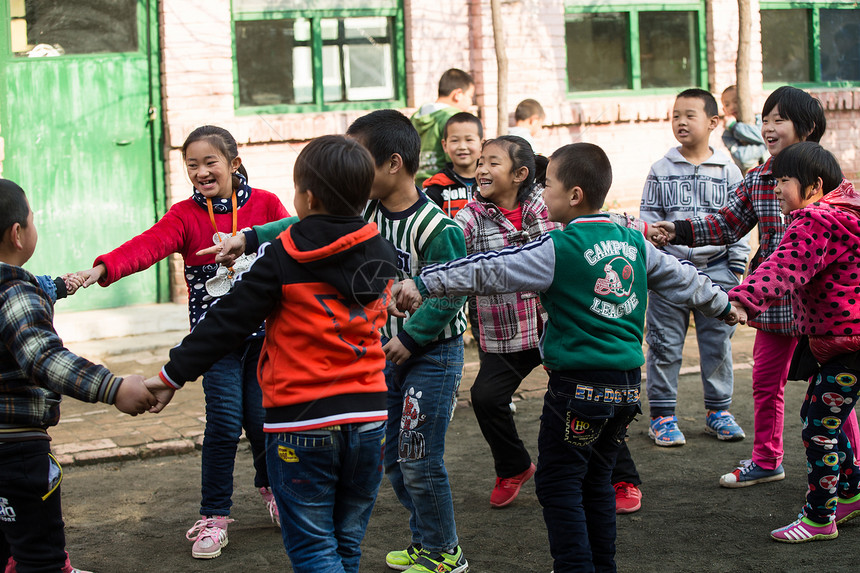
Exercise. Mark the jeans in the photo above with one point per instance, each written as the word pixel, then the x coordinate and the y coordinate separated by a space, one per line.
pixel 667 329
pixel 325 482
pixel 830 459
pixel 582 426
pixel 625 469
pixel 421 395
pixel 31 516
pixel 233 401
pixel 499 377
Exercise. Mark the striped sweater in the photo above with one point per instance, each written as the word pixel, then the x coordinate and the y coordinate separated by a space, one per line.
pixel 422 235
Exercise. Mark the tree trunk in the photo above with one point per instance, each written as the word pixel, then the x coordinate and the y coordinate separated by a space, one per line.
pixel 502 60
pixel 745 107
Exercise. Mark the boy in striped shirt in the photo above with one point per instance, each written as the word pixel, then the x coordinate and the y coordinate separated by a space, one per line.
pixel 424 351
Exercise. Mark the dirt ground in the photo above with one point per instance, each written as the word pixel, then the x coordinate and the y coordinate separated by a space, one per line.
pixel 132 516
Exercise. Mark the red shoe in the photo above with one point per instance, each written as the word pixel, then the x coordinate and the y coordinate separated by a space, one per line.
pixel 507 489
pixel 628 498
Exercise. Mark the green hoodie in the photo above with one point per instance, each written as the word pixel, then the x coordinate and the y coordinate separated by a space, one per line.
pixel 430 126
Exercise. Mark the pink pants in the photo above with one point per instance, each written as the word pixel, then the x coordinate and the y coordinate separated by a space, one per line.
pixel 771 360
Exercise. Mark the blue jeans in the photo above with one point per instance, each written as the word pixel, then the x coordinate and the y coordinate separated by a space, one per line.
pixel 667 329
pixel 325 483
pixel 584 420
pixel 233 401
pixel 421 397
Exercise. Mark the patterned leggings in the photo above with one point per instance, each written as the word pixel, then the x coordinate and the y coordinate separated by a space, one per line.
pixel 832 468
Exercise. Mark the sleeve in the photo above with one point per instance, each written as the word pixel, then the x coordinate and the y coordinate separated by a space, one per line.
pixel 49 285
pixel 651 207
pixel 525 268
pixel 269 232
pixel 793 264
pixel 27 330
pixel 230 321
pixel 427 322
pixel 465 218
pixel 747 134
pixel 681 283
pixel 167 236
pixel 728 225
pixel 739 251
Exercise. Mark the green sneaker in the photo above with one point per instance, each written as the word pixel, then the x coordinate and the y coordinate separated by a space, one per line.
pixel 427 562
pixel 403 560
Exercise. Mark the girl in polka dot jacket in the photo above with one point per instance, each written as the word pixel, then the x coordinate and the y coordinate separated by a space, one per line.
pixel 818 261
pixel 221 203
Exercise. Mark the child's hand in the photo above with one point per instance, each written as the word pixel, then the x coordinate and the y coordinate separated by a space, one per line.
pixel 227 251
pixel 133 397
pixel 667 230
pixel 738 314
pixel 395 351
pixel 92 275
pixel 407 296
pixel 73 282
pixel 658 236
pixel 162 392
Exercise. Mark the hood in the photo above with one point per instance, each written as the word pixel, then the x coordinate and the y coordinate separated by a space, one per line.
pixel 345 252
pixel 844 197
pixel 445 177
pixel 425 122
pixel 717 157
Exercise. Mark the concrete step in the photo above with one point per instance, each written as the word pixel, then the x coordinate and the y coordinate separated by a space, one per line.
pixel 137 322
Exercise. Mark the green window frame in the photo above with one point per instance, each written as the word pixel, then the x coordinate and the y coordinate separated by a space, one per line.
pixel 817 49
pixel 634 35
pixel 325 26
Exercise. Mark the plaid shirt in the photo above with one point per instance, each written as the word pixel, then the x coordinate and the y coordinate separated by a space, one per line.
pixel 509 322
pixel 754 202
pixel 35 369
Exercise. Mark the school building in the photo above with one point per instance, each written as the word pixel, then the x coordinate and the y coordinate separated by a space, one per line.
pixel 98 95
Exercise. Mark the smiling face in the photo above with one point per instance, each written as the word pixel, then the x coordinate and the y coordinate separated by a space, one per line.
pixel 792 196
pixel 497 179
pixel 463 145
pixel 778 132
pixel 690 123
pixel 209 171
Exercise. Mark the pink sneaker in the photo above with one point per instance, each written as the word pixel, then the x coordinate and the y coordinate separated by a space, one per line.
pixel 847 510
pixel 209 535
pixel 507 489
pixel 804 530
pixel 271 504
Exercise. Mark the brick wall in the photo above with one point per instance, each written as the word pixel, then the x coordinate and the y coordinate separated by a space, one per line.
pixel 635 131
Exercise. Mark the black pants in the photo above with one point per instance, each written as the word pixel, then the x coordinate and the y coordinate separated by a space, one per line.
pixel 31 517
pixel 499 377
pixel 625 469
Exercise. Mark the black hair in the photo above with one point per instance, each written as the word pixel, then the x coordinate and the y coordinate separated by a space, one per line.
pixel 807 161
pixel 528 108
pixel 522 155
pixel 586 166
pixel 220 139
pixel 454 79
pixel 463 117
pixel 13 206
pixel 803 110
pixel 711 107
pixel 339 172
pixel 385 132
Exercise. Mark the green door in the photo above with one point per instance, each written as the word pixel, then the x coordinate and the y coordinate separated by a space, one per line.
pixel 81 133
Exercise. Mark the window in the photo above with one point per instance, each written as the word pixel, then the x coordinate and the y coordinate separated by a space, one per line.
pixel 615 46
pixel 825 46
pixel 336 55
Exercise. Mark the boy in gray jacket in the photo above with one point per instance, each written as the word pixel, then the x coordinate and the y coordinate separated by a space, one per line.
pixel 692 180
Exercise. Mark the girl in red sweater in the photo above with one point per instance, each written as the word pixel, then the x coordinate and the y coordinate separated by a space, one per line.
pixel 221 204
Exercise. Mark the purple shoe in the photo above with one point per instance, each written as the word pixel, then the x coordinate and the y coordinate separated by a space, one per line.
pixel 847 510
pixel 804 530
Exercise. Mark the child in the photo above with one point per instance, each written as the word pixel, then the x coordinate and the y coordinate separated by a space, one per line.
pixel 221 203
pixel 454 186
pixel 456 94
pixel 817 261
pixel 692 179
pixel 424 351
pixel 790 115
pixel 322 376
pixel 35 370
pixel 508 210
pixel 743 141
pixel 529 117
pixel 593 277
